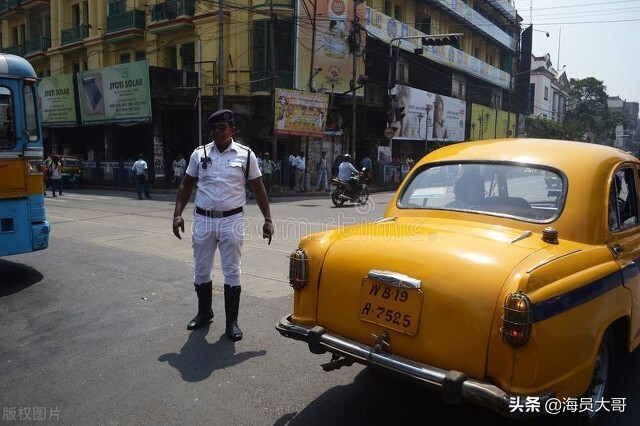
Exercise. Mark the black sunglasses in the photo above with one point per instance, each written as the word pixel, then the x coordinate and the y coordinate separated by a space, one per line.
pixel 219 127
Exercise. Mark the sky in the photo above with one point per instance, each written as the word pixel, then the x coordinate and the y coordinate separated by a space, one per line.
pixel 590 38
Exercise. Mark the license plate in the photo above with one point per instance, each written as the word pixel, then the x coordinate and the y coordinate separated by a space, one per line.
pixel 393 307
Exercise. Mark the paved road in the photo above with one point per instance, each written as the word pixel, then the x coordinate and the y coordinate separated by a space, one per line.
pixel 93 329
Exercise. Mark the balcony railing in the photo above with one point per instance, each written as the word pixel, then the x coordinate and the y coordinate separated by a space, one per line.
pixel 6 5
pixel 16 49
pixel 132 19
pixel 74 34
pixel 262 80
pixel 37 45
pixel 171 9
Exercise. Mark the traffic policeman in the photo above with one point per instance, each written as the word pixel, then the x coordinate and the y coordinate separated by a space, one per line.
pixel 221 170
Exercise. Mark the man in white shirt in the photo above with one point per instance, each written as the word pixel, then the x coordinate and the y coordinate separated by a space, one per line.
pixel 221 169
pixel 141 176
pixel 300 171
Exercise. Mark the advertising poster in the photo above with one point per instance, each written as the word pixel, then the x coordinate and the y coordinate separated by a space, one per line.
pixel 483 122
pixel 116 94
pixel 58 107
pixel 506 127
pixel 332 60
pixel 300 113
pixel 428 116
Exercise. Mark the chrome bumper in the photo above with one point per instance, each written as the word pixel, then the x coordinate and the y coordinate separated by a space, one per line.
pixel 454 386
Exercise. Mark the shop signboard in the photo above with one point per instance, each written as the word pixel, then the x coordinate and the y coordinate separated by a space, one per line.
pixel 300 113
pixel 57 104
pixel 116 94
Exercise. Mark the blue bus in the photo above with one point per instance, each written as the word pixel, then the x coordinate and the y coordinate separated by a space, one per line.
pixel 23 223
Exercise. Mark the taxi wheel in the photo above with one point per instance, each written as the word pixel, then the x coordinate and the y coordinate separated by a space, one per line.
pixel 601 380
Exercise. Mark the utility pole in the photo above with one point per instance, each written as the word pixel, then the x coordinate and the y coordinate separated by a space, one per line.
pixel 221 55
pixel 272 51
pixel 354 109
pixel 312 71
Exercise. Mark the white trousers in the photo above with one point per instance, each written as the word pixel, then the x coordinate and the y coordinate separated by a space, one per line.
pixel 225 234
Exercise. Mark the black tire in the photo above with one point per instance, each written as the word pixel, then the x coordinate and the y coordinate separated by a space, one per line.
pixel 335 197
pixel 364 195
pixel 600 382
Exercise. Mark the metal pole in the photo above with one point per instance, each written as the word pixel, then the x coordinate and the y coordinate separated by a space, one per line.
pixel 312 72
pixel 221 55
pixel 200 92
pixel 354 110
pixel 272 45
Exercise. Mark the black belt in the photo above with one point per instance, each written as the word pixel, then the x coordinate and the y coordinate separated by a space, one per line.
pixel 216 213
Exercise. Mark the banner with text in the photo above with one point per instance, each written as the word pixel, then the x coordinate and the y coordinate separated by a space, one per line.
pixel 300 113
pixel 57 104
pixel 428 116
pixel 116 94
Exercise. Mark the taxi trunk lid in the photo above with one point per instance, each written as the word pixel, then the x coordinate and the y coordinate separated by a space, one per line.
pixel 448 321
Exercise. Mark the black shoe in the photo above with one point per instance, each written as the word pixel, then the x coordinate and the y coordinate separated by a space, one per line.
pixel 231 307
pixel 205 313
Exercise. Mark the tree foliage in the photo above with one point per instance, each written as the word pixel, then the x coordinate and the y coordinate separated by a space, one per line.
pixel 544 128
pixel 587 116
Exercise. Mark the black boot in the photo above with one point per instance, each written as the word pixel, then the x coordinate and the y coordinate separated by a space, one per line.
pixel 205 313
pixel 231 306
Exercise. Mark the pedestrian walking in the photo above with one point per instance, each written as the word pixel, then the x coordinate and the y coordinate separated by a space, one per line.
pixel 292 171
pixel 269 167
pixel 221 169
pixel 55 175
pixel 301 167
pixel 140 169
pixel 321 170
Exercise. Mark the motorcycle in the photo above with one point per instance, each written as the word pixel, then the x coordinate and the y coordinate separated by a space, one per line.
pixel 342 192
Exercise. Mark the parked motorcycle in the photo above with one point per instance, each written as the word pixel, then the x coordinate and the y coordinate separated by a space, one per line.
pixel 342 193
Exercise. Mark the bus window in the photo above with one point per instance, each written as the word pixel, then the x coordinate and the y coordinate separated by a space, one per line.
pixel 6 119
pixel 30 108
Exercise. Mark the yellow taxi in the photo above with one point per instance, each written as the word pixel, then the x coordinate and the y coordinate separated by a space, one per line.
pixel 484 282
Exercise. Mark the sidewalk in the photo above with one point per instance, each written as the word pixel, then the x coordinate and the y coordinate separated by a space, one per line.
pixel 274 194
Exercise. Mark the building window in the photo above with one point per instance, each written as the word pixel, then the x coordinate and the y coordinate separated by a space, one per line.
pixel 261 59
pixel 75 15
pixel 388 8
pixel 546 93
pixel 117 6
pixel 170 57
pixel 397 13
pixel 187 56
pixel 125 58
pixel 423 24
pixel 141 55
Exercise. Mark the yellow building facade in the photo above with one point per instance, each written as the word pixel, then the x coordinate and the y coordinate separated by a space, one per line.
pixel 205 54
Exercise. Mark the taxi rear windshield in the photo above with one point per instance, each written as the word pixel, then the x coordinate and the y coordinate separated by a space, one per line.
pixel 520 191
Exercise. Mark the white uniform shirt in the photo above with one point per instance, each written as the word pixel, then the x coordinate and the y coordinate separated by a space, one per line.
pixel 221 186
pixel 139 166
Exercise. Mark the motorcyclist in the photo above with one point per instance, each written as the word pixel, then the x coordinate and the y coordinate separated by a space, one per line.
pixel 347 173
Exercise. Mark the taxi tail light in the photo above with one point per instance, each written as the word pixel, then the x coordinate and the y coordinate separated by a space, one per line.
pixel 517 319
pixel 298 269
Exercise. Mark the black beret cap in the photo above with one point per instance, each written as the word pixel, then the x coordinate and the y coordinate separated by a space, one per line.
pixel 221 116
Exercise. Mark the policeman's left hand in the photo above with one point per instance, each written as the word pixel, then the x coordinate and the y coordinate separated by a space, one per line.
pixel 267 231
pixel 178 225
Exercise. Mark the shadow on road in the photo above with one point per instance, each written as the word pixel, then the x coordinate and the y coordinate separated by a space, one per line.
pixel 198 358
pixel 375 398
pixel 16 277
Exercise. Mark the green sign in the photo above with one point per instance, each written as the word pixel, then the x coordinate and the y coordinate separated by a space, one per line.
pixel 57 103
pixel 116 94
